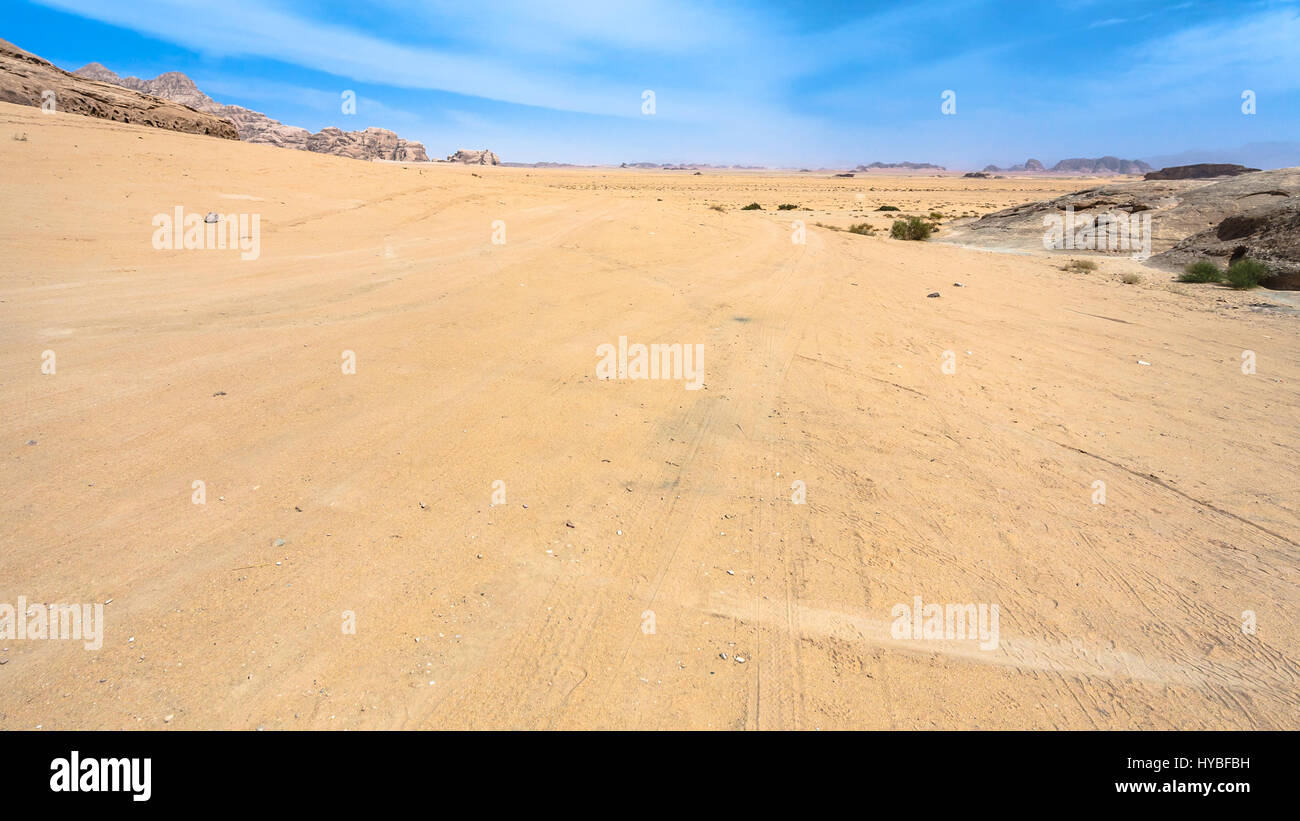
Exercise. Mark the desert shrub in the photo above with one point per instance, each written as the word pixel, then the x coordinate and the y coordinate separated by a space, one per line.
pixel 1080 266
pixel 1131 279
pixel 887 208
pixel 1201 271
pixel 753 206
pixel 718 208
pixel 863 228
pixel 911 228
pixel 828 227
pixel 935 215
pixel 1246 273
pixel 786 207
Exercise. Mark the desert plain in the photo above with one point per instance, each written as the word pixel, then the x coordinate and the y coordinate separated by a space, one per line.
pixel 519 544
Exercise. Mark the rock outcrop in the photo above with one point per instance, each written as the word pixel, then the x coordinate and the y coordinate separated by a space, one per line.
pixel 468 157
pixel 1199 171
pixel 256 127
pixel 1255 215
pixel 26 79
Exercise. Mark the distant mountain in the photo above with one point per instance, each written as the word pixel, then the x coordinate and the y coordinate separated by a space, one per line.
pixel 1099 165
pixel 26 79
pixel 689 166
pixel 911 166
pixel 1030 165
pixel 256 127
pixel 1275 154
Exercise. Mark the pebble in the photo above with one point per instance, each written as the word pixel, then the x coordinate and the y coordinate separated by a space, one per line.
pixel 569 524
pixel 279 542
pixel 933 295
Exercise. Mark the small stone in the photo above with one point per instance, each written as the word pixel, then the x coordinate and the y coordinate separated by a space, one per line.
pixel 569 524
pixel 423 506
pixel 958 285
pixel 168 719
pixel 722 656
pixel 279 543
pixel 740 659
pixel 934 295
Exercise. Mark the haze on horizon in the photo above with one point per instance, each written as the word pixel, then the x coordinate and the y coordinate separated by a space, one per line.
pixel 818 85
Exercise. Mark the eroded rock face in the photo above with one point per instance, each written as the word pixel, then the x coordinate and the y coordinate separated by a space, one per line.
pixel 256 127
pixel 1199 171
pixel 1255 215
pixel 25 79
pixel 483 157
pixel 1269 233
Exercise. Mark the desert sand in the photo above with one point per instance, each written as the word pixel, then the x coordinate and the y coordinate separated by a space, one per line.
pixel 647 530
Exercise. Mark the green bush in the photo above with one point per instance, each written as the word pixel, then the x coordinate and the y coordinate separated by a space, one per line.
pixel 786 207
pixel 753 206
pixel 935 215
pixel 1201 271
pixel 1246 273
pixel 887 208
pixel 910 228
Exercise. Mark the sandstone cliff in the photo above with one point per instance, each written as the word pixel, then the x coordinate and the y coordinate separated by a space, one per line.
pixel 256 127
pixel 25 79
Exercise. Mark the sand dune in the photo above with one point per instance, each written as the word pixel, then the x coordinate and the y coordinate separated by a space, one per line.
pixel 371 493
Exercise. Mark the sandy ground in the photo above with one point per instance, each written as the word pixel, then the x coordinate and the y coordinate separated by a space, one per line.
pixel 371 493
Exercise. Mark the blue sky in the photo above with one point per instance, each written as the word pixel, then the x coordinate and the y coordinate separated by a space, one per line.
pixel 778 84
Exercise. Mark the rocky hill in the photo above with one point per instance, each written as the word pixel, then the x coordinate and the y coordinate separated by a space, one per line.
pixel 483 157
pixel 25 79
pixel 256 127
pixel 1200 171
pixel 1255 215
